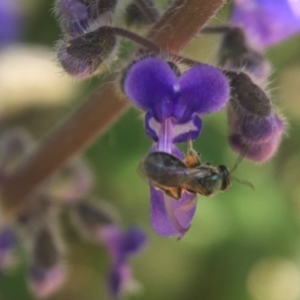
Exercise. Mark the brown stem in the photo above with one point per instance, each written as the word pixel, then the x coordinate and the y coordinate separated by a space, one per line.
pixel 180 23
pixel 148 9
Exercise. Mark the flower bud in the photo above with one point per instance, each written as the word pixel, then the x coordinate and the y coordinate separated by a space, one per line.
pixel 85 55
pixel 46 271
pixel 98 8
pixel 78 17
pixel 73 183
pixel 235 54
pixel 259 152
pixel 246 96
pixel 255 137
pixel 91 218
pixel 134 16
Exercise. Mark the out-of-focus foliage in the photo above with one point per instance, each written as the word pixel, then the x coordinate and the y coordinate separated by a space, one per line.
pixel 243 244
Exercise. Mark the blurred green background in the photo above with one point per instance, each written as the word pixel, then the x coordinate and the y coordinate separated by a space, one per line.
pixel 242 245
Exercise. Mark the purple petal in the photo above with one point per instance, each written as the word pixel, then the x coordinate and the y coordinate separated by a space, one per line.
pixel 259 152
pixel 134 241
pixel 44 282
pixel 7 239
pixel 203 89
pixel 10 21
pixel 122 244
pixel 149 85
pixel 171 217
pixel 8 242
pixel 181 132
pixel 152 126
pixel 121 280
pixel 260 129
pixel 112 238
pixel 74 17
pixel 267 22
pixel 186 131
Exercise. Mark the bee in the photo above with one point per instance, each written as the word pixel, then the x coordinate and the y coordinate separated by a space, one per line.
pixel 173 176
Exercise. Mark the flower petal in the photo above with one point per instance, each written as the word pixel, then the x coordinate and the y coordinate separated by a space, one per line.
pixel 149 85
pixel 181 132
pixel 171 217
pixel 203 89
pixel 43 282
pixel 267 22
pixel 134 241
pixel 11 25
pixel 260 129
pixel 121 281
pixel 186 131
pixel 259 152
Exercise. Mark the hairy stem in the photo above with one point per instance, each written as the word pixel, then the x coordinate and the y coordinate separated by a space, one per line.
pixel 180 23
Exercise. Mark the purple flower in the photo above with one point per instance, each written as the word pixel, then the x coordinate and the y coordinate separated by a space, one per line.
pixel 172 102
pixel 10 21
pixel 121 245
pixel 267 22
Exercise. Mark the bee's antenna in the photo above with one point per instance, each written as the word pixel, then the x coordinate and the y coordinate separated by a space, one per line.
pixel 237 162
pixel 239 159
pixel 244 182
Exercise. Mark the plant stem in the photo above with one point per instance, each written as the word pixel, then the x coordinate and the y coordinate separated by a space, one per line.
pixel 174 30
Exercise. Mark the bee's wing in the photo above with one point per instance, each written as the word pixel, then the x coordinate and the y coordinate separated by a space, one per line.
pixel 163 168
pixel 196 180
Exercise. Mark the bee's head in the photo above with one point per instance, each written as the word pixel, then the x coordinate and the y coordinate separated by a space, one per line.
pixel 226 177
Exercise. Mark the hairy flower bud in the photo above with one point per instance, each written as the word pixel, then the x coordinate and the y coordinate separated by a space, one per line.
pixel 246 96
pixel 84 56
pixel 255 128
pixel 78 17
pixel 91 218
pixel 73 183
pixel 97 8
pixel 46 272
pixel 134 16
pixel 235 54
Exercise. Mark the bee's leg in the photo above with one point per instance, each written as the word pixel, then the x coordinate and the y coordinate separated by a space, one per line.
pixel 192 158
pixel 174 193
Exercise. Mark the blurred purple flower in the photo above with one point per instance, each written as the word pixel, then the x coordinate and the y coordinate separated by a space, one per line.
pixel 8 242
pixel 44 282
pixel 121 245
pixel 78 17
pixel 10 21
pixel 267 22
pixel 172 102
pixel 46 269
